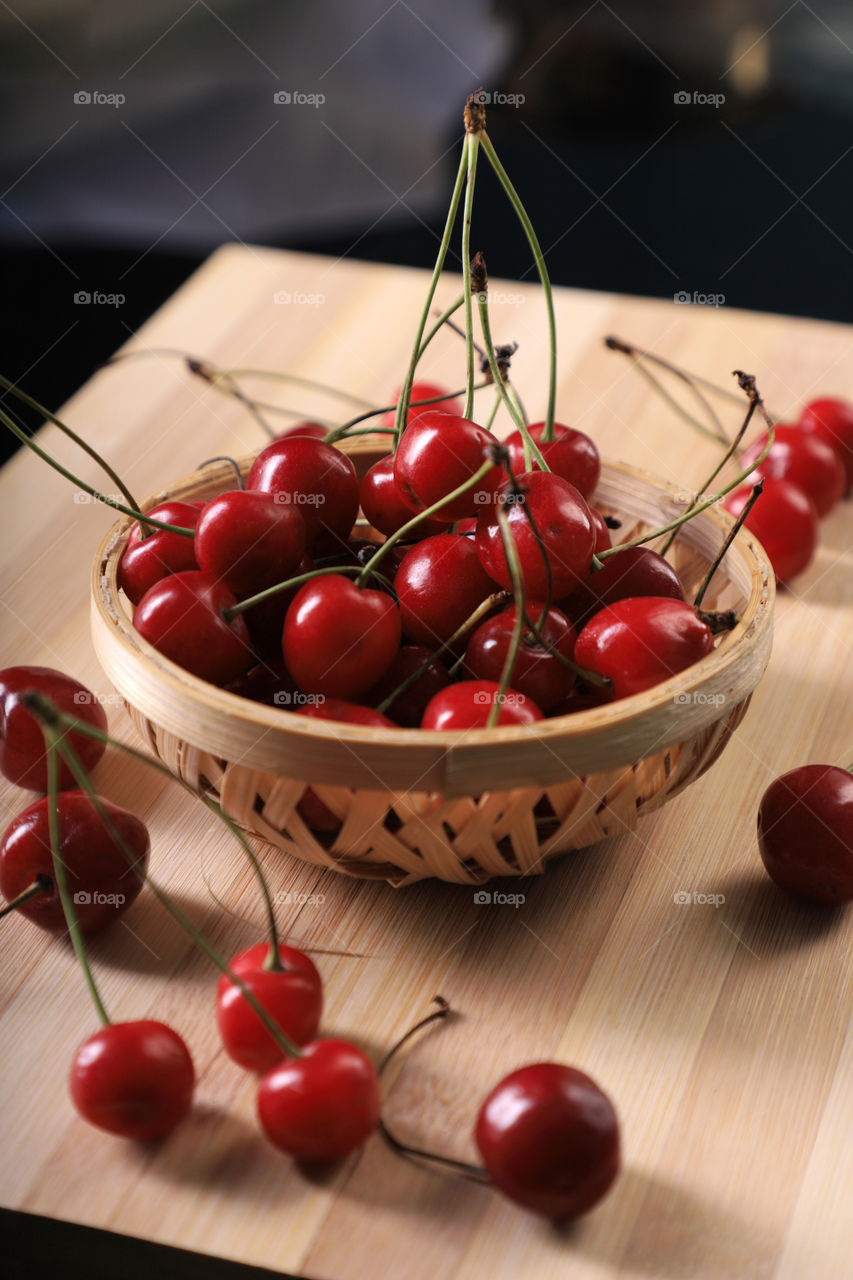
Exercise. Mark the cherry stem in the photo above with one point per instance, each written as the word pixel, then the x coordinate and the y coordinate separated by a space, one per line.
pixel 484 608
pixel 405 391
pixel 232 462
pixel 530 445
pixel 224 383
pixel 519 494
pixel 638 355
pixel 52 742
pixel 345 429
pixel 41 884
pixel 532 240
pixel 518 591
pixel 471 148
pixel 733 532
pixel 589 677
pixel 493 412
pixel 269 592
pixel 403 1148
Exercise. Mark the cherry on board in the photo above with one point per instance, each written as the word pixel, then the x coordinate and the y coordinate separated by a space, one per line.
pixel 439 452
pixel 291 995
pixel 145 561
pixel 536 671
pixel 323 1106
pixel 423 391
pixel 23 759
pixel 249 540
pixel 571 454
pixel 182 617
pixel 549 1138
pixel 832 420
pixel 639 642
pixel 339 639
pixel 133 1079
pixel 804 459
pixel 439 584
pixel 314 477
pixel 101 881
pixel 784 521
pixel 468 705
pixel 805 833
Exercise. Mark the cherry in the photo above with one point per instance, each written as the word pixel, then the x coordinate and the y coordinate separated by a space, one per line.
pixel 182 617
pixel 145 561
pixel 338 640
pixel 322 1106
pixel 249 540
pixel 102 883
pixel 408 708
pixel 268 682
pixel 467 705
pixel 565 526
pixel 292 995
pixel 804 459
pixel 784 521
pixel 636 571
pixel 603 541
pixel 313 430
pixel 805 833
pixel 423 391
pixel 571 454
pixel 549 1138
pixel 314 477
pixel 384 505
pixel 439 584
pixel 348 712
pixel 23 759
pixel 439 452
pixel 832 421
pixel 639 642
pixel 536 672
pixel 265 621
pixel 134 1079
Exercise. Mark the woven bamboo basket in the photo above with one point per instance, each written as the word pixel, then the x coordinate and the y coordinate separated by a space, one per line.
pixel 459 807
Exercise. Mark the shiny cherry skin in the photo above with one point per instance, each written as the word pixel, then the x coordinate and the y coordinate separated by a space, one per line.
pixel 249 540
pixel 182 617
pixel 784 521
pixel 536 672
pixel 408 708
pixel 639 642
pixel 385 507
pixel 102 883
pixel 603 540
pixel 805 833
pixel 437 453
pixel 145 561
pixel 565 527
pixel 439 584
pixel 292 995
pixel 468 704
pixel 549 1138
pixel 313 430
pixel 23 759
pixel 133 1079
pixel 803 459
pixel 314 477
pixel 832 420
pixel 636 571
pixel 571 454
pixel 322 1106
pixel 338 640
pixel 423 391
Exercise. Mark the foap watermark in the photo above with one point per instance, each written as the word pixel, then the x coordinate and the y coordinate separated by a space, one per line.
pixel 297 98
pixel 288 298
pixel 83 298
pixel 83 499
pixel 299 499
pixel 700 699
pixel 685 98
pixel 84 697
pixel 683 898
pixel 485 698
pixel 287 899
pixel 83 898
pixel 296 698
pixel 485 898
pixel 501 499
pixel 696 299
pixel 497 98
pixel 95 98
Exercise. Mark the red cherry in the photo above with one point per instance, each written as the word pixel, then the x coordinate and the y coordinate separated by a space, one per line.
pixel 408 708
pixel 292 995
pixel 23 759
pixel 571 454
pixel 784 521
pixel 564 524
pixel 100 879
pixel 802 459
pixel 603 541
pixel 384 505
pixel 321 1106
pixel 549 1138
pixel 265 621
pixel 536 673
pixel 467 705
pixel 338 640
pixel 249 540
pixel 314 477
pixel 832 421
pixel 269 682
pixel 637 643
pixel 134 1079
pixel 313 430
pixel 423 391
pixel 347 712
pixel 437 453
pixel 182 617
pixel 439 584
pixel 805 833
pixel 636 571
pixel 145 561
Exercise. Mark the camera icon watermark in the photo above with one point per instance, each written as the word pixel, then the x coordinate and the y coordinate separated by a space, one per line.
pixel 485 898
pixel 696 299
pixel 85 697
pixel 286 298
pixel 94 98
pixel 683 898
pixel 683 98
pixel 83 298
pixel 296 98
pixel 296 698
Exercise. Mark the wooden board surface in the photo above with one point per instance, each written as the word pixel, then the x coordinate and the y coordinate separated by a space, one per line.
pixel 722 1032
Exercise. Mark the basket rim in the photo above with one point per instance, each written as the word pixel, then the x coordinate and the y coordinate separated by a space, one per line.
pixel 111 621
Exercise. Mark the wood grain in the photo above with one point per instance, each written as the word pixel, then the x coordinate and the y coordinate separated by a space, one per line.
pixel 722 1033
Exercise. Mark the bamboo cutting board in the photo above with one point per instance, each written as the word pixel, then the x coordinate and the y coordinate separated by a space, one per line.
pixel 721 1032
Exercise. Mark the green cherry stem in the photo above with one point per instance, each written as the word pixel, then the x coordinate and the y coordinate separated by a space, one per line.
pixel 691 380
pixel 471 148
pixel 249 603
pixel 41 884
pixel 519 595
pixel 733 532
pixel 345 429
pixel 530 445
